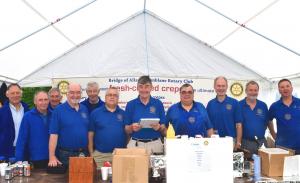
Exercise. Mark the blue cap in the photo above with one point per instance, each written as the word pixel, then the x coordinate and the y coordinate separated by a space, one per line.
pixel 2 158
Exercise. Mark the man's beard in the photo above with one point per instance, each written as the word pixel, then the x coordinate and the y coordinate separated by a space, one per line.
pixel 252 98
pixel 75 101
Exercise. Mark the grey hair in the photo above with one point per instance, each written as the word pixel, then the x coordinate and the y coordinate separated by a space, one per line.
pixel 53 90
pixel 220 77
pixel 92 84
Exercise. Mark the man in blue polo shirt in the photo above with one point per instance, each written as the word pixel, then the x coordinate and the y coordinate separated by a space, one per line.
pixel 145 106
pixel 189 117
pixel 69 128
pixel 11 115
pixel 93 101
pixel 34 133
pixel 255 119
pixel 106 131
pixel 286 111
pixel 225 114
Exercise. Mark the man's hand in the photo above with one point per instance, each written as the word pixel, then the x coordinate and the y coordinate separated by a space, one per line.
pixel 53 161
pixel 155 126
pixel 237 146
pixel 136 127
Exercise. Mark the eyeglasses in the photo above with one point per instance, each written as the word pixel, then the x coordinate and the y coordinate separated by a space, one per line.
pixel 112 95
pixel 186 92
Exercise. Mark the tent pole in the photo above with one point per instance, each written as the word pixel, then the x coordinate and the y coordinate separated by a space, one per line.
pixel 146 41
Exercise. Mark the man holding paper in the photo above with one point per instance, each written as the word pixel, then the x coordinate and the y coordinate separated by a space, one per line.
pixel 189 117
pixel 142 110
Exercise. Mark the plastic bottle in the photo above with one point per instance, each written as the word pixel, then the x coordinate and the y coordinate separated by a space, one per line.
pixel 11 160
pixel 170 132
pixel 257 167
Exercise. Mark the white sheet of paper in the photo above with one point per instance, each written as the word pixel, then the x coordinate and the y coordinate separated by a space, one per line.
pixel 291 166
pixel 147 122
pixel 199 160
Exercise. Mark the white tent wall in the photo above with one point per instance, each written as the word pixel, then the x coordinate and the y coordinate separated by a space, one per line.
pixel 273 19
pixel 143 44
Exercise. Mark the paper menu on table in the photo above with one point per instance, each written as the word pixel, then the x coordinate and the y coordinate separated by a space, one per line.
pixel 147 122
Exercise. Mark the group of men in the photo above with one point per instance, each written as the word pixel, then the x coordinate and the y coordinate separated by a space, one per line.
pixel 52 132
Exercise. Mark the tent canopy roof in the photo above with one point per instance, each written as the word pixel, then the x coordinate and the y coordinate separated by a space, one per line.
pixel 271 18
pixel 143 44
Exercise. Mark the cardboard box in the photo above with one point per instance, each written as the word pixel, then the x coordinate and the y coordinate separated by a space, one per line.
pixel 272 161
pixel 82 170
pixel 130 165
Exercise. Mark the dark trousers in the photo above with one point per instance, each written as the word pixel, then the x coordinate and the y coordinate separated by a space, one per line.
pixel 253 145
pixel 40 164
pixel 64 154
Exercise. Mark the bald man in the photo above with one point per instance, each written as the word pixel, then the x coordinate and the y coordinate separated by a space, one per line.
pixel 69 128
pixel 34 133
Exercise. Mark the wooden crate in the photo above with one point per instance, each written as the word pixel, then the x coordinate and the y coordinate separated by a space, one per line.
pixel 82 170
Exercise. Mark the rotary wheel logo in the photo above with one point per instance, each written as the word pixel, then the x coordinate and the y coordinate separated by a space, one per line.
pixel 236 89
pixel 63 87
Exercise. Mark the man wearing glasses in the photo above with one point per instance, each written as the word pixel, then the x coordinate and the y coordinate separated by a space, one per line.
pixel 145 107
pixel 106 130
pixel 189 117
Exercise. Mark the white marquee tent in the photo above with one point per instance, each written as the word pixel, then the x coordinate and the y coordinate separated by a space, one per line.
pixel 263 36
pixel 143 44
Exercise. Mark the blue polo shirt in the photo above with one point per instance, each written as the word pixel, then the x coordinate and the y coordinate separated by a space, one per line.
pixel 50 108
pixel 71 126
pixel 135 110
pixel 224 115
pixel 90 106
pixel 255 121
pixel 33 136
pixel 109 129
pixel 288 123
pixel 191 123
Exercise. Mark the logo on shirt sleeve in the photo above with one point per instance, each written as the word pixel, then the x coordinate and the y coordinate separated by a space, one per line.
pixel 287 116
pixel 228 107
pixel 152 109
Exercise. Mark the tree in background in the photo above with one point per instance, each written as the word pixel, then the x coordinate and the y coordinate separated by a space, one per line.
pixel 28 93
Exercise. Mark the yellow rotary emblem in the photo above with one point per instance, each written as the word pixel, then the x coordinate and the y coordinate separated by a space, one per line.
pixel 205 142
pixel 63 87
pixel 236 89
